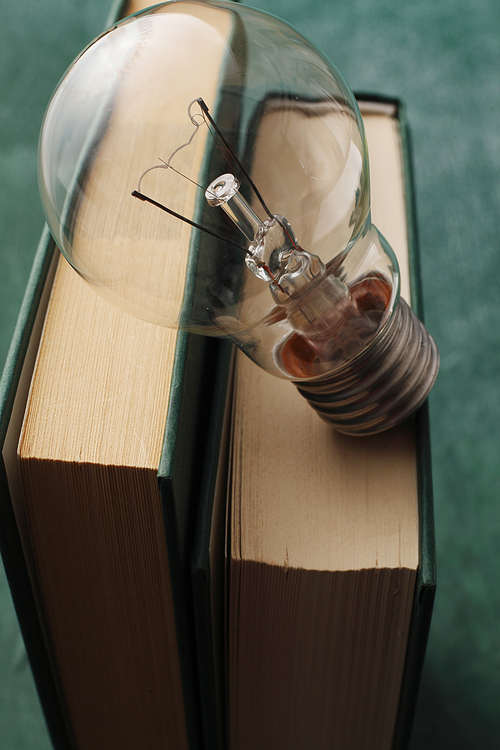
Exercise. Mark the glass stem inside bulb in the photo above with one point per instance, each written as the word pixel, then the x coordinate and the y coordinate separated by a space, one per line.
pixel 316 303
pixel 224 192
pixel 331 321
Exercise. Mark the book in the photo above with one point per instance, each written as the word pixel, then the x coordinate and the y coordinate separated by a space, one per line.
pixel 330 550
pixel 118 580
pixel 98 509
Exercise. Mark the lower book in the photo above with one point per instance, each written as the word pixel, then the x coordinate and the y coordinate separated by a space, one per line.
pixel 246 577
pixel 330 552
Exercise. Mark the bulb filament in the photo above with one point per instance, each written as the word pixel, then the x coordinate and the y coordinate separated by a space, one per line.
pixel 206 119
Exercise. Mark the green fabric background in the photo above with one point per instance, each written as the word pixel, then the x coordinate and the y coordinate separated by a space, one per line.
pixel 442 58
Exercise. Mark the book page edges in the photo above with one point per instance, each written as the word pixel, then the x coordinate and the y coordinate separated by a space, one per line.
pixel 333 502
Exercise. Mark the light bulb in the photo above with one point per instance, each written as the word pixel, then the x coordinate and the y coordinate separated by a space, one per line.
pixel 231 121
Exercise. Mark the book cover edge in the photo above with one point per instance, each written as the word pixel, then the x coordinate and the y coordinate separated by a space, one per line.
pixel 14 561
pixel 426 574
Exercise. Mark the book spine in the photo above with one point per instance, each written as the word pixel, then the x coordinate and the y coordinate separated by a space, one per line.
pixel 426 575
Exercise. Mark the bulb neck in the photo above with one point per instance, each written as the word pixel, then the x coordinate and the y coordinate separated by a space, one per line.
pixel 297 279
pixel 273 253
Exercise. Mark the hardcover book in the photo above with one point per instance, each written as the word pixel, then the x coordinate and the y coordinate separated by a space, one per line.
pixel 330 549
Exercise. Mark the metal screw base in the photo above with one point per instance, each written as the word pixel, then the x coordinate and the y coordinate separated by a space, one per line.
pixel 384 384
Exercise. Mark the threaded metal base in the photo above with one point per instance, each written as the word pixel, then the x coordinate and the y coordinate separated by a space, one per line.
pixel 382 386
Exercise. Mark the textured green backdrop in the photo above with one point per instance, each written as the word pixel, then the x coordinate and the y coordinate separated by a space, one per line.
pixel 442 57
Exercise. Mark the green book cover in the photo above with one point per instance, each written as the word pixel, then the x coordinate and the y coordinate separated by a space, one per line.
pixel 426 575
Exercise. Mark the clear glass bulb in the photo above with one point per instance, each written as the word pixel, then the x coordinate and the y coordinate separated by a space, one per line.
pixel 227 118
